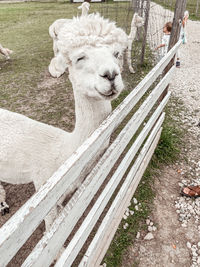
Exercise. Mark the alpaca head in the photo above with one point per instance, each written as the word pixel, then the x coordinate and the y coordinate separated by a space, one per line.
pixel 137 21
pixel 94 72
pixel 90 48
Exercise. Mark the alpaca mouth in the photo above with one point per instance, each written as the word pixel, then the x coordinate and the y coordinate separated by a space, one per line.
pixel 109 95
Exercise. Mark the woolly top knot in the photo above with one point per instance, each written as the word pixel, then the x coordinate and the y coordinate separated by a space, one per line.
pixel 92 30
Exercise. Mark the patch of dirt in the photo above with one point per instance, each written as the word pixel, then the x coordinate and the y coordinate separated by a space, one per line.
pixel 49 81
pixel 168 248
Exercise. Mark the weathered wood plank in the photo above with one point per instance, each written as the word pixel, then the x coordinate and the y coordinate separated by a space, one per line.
pixel 48 247
pixel 83 232
pixel 108 227
pixel 17 230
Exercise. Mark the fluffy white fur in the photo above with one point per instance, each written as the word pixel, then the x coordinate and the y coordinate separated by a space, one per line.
pixel 137 22
pixel 54 30
pixel 5 52
pixel 59 23
pixel 31 151
pixel 93 30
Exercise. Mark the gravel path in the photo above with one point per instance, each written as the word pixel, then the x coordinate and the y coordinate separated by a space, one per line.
pixel 176 241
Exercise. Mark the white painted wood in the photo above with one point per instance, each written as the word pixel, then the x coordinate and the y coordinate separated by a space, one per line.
pixel 99 245
pixel 83 232
pixel 17 230
pixel 48 247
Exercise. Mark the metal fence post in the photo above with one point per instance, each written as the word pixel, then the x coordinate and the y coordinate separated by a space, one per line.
pixel 147 11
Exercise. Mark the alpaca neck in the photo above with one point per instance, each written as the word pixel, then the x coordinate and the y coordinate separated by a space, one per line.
pixel 89 115
pixel 132 32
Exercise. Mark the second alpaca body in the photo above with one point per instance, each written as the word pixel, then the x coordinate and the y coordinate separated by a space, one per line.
pixel 136 23
pixel 55 28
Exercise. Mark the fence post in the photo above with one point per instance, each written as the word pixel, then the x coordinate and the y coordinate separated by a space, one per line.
pixel 174 37
pixel 147 11
pixel 197 8
pixel 176 26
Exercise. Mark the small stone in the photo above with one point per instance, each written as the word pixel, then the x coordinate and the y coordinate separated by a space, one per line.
pixel 151 223
pixel 124 217
pixel 154 228
pixel 194 254
pixel 148 221
pixel 184 225
pixel 127 213
pixel 136 207
pixel 142 249
pixel 135 200
pixel 198 244
pixel 138 235
pixel 189 245
pixel 131 212
pixel 125 226
pixel 149 236
pixel 150 228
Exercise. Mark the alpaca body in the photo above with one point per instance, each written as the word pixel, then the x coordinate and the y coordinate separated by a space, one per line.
pixel 54 30
pixel 39 149
pixel 5 52
pixel 31 151
pixel 137 22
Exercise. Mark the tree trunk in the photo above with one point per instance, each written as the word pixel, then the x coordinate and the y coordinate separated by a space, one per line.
pixel 175 34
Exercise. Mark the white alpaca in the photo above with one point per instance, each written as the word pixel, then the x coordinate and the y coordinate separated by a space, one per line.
pixel 31 151
pixel 5 51
pixel 137 22
pixel 85 8
pixel 59 23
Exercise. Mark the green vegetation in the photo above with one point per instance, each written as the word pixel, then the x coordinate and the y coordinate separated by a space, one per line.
pixel 191 7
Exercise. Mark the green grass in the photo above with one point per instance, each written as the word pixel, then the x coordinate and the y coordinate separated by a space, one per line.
pixel 191 7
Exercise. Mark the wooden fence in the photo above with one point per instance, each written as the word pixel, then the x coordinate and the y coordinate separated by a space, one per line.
pixel 15 232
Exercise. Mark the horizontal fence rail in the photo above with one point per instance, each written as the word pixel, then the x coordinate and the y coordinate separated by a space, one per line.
pixel 15 232
pixel 75 245
pixel 107 229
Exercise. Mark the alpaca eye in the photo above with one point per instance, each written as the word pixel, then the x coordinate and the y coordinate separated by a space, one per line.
pixel 116 54
pixel 80 58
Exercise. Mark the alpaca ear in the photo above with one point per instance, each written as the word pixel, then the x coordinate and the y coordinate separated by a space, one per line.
pixel 57 66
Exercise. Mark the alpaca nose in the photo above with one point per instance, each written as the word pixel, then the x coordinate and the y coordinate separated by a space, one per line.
pixel 110 76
